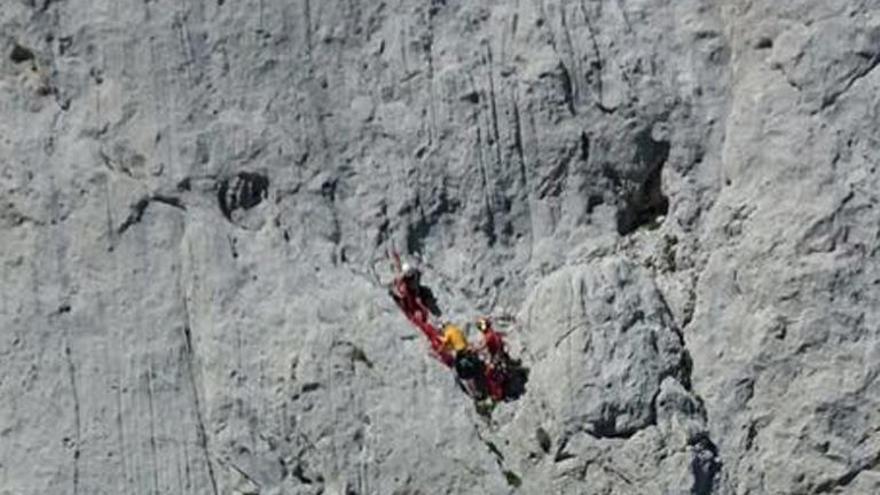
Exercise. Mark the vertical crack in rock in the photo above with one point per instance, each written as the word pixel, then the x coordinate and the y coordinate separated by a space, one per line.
pixel 71 371
pixel 706 464
pixel 188 358
pixel 493 104
pixel 510 477
pixel 154 451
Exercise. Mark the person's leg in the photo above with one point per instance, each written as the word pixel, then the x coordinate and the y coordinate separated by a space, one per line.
pixel 478 378
pixel 466 373
pixel 495 383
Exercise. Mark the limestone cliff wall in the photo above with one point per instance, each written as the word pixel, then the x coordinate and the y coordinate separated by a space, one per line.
pixel 669 206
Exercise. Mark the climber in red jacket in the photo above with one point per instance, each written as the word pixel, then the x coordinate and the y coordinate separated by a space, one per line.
pixel 493 342
pixel 404 291
pixel 417 303
pixel 496 371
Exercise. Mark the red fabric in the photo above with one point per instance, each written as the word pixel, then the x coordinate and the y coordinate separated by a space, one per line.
pixel 494 383
pixel 417 313
pixel 494 342
pixel 412 307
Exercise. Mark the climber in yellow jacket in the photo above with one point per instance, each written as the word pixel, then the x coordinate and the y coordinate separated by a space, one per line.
pixel 468 365
pixel 453 338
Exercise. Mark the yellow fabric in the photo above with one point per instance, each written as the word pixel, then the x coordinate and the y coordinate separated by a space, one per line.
pixel 454 339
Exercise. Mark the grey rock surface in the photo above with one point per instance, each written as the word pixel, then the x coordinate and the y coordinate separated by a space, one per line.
pixel 670 207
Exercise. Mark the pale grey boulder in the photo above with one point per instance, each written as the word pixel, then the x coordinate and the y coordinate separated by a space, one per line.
pixel 610 379
pixel 604 330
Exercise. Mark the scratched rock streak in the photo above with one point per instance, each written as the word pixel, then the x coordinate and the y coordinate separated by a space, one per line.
pixel 670 208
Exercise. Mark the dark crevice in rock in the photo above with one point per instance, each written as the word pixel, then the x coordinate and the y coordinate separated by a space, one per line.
pixel 513 480
pixel 685 370
pixel 705 465
pixel 310 387
pixel 77 442
pixel 232 247
pixel 299 473
pixel 306 388
pixel 494 450
pixel 471 97
pixel 21 54
pixel 138 209
pixel 168 200
pixel 567 87
pixel 585 147
pixel 328 190
pixel 612 176
pixel 518 141
pixel 764 43
pixel 604 109
pixel 647 201
pixel 873 60
pixel 543 439
pixel 561 454
pixel 185 184
pixel 593 201
pixel 243 191
pixel 751 434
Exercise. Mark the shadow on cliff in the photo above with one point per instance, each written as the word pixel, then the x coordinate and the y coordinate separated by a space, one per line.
pixel 515 381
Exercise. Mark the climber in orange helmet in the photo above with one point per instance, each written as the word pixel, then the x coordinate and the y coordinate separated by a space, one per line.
pixel 493 341
pixel 496 371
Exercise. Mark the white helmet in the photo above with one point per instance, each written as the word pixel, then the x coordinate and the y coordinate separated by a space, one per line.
pixel 407 269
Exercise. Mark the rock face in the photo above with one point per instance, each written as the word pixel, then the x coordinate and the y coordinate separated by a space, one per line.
pixel 670 207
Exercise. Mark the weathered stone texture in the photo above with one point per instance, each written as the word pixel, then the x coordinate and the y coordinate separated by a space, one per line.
pixel 670 206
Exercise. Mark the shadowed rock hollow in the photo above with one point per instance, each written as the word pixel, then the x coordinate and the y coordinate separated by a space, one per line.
pixel 670 207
